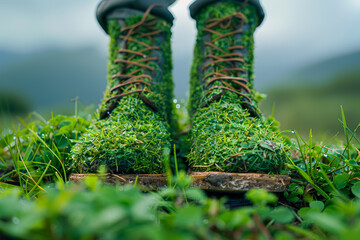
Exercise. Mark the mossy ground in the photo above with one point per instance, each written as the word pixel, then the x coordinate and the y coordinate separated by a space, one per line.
pixel 223 135
pixel 134 138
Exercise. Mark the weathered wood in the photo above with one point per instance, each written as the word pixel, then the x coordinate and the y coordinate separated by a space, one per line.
pixel 239 182
pixel 209 181
pixel 150 181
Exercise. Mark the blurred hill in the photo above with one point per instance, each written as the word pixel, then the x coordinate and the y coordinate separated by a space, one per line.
pixel 309 98
pixel 50 79
pixel 326 70
pixel 312 97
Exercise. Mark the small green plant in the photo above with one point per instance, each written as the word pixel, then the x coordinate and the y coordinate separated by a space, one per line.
pixel 39 152
pixel 321 172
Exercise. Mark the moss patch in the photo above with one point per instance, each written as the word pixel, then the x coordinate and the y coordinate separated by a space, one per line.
pixel 134 138
pixel 223 136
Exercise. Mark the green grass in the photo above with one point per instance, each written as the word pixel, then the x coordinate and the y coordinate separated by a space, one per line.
pixel 316 107
pixel 322 201
pixel 37 151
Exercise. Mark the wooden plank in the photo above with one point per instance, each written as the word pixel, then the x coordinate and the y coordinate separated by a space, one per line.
pixel 239 182
pixel 208 181
pixel 150 181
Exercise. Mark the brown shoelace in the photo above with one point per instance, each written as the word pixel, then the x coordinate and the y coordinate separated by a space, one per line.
pixel 224 65
pixel 135 78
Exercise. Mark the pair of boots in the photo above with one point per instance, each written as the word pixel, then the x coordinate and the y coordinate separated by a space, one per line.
pixel 136 117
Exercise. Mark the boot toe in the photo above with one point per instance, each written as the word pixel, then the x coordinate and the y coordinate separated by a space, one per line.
pixel 228 140
pixel 133 140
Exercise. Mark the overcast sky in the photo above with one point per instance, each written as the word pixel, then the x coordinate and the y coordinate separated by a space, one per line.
pixel 295 32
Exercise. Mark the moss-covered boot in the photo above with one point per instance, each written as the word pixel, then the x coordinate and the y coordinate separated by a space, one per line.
pixel 228 133
pixel 132 134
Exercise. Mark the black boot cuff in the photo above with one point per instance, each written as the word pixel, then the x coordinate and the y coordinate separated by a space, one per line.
pixel 200 4
pixel 106 6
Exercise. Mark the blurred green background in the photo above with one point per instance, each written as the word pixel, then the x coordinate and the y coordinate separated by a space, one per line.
pixel 307 60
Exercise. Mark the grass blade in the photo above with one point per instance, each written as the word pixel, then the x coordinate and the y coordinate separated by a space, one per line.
pixel 41 177
pixel 309 180
pixel 27 170
pixel 47 146
pixel 345 131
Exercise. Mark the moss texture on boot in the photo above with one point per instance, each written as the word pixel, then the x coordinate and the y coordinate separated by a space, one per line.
pixel 133 138
pixel 229 134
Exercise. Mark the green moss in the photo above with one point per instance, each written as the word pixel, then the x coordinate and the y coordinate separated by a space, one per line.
pixel 246 40
pixel 134 138
pixel 223 136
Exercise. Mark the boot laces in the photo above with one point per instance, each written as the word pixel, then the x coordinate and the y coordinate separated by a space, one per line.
pixel 135 82
pixel 225 65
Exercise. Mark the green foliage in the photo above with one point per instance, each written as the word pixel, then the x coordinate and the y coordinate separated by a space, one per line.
pixel 323 199
pixel 39 151
pixel 96 211
pixel 324 172
pixel 77 213
pixel 261 197
pixel 355 189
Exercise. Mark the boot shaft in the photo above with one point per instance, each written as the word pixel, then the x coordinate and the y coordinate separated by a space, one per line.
pixel 224 55
pixel 140 61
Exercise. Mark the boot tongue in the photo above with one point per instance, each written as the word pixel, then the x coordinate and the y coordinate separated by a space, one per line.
pixel 228 46
pixel 224 68
pixel 133 59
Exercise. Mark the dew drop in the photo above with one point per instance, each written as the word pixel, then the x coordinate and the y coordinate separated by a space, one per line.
pixel 325 155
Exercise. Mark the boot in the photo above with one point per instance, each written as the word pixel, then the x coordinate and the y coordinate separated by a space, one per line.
pixel 228 132
pixel 132 134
